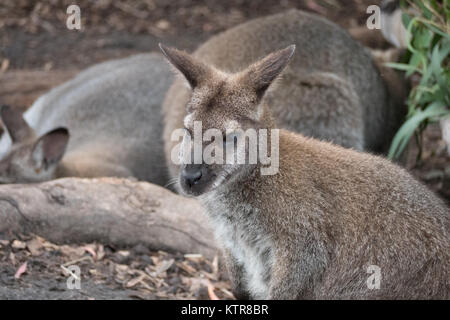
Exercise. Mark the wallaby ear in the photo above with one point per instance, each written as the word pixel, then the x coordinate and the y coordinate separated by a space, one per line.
pixel 194 71
pixel 50 148
pixel 15 124
pixel 262 73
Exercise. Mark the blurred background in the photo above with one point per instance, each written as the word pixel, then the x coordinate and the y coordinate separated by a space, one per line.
pixel 34 33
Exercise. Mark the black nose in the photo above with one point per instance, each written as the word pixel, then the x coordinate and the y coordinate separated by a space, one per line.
pixel 192 175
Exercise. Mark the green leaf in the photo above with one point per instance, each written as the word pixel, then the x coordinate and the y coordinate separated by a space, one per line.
pixel 437 30
pixel 422 38
pixel 436 109
pixel 402 67
pixel 428 44
pixel 406 19
pixel 425 11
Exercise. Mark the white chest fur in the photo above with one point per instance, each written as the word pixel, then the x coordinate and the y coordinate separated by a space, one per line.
pixel 248 244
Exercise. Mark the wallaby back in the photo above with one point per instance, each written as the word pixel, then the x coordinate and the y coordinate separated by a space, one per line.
pixel 112 113
pixel 331 89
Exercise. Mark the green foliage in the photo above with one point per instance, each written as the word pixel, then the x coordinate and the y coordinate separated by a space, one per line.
pixel 428 26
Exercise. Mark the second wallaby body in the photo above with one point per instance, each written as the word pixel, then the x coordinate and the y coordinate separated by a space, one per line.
pixel 331 90
pixel 331 223
pixel 104 122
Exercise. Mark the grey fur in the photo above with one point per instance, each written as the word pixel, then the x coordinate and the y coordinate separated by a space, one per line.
pixel 112 112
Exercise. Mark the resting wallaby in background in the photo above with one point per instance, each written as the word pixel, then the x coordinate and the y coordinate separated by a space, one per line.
pixel 331 90
pixel 104 122
pixel 313 229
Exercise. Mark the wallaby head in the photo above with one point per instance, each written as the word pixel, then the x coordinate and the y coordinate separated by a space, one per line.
pixel 226 105
pixel 29 158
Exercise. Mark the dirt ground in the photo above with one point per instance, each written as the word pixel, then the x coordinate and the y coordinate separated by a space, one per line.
pixel 36 46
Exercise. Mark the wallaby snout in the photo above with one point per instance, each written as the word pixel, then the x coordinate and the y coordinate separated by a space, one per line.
pixel 194 178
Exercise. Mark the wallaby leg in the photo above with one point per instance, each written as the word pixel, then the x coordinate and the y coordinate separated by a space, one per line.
pixel 236 275
pixel 296 271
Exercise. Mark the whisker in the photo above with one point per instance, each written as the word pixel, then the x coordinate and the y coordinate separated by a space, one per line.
pixel 171 182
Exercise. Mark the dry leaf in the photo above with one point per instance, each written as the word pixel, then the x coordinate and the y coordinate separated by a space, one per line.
pixel 194 283
pixel 183 265
pixel 91 249
pixel 35 246
pixel 5 65
pixel 164 266
pixel 211 293
pixel 12 258
pixel 124 253
pixel 135 281
pixel 18 244
pixel 194 257
pixel 100 252
pixel 22 269
pixel 228 293
pixel 71 251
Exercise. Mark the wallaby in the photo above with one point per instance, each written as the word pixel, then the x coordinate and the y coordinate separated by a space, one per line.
pixel 330 215
pixel 331 90
pixel 111 112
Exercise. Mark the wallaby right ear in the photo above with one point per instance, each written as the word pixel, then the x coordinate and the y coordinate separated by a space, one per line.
pixel 262 73
pixel 50 148
pixel 14 122
pixel 194 71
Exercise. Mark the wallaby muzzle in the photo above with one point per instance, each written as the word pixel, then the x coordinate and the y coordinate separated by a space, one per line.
pixel 195 179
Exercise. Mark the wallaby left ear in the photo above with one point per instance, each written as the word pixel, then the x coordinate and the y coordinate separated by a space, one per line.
pixel 15 124
pixel 262 73
pixel 50 148
pixel 193 70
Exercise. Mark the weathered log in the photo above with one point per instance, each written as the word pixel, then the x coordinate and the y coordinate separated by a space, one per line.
pixel 108 210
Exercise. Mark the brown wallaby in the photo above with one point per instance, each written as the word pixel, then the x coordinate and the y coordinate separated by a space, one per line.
pixel 326 218
pixel 111 112
pixel 331 90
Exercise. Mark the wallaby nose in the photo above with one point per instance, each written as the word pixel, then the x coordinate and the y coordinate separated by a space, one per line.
pixel 192 175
